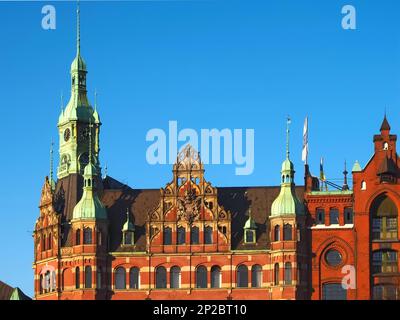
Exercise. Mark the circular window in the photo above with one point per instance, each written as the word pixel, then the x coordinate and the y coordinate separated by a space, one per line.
pixel 333 258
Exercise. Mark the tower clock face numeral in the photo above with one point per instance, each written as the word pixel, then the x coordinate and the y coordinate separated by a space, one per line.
pixel 67 134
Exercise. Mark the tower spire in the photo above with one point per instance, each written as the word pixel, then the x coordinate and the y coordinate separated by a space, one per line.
pixel 90 140
pixel 78 30
pixel 288 122
pixel 345 172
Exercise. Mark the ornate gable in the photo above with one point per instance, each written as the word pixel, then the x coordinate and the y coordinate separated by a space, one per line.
pixel 188 202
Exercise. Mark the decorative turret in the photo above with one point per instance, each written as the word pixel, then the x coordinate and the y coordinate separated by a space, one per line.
pixel 128 230
pixel 90 206
pixel 287 202
pixel 250 228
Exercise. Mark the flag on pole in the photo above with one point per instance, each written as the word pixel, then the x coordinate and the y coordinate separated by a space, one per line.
pixel 304 154
pixel 322 175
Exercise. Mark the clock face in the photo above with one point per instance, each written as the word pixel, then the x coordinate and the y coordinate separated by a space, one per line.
pixel 67 134
pixel 84 160
pixel 84 134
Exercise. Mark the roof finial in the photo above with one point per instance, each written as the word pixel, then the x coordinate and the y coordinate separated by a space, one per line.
pixel 51 162
pixel 62 101
pixel 78 31
pixel 345 172
pixel 90 141
pixel 288 121
pixel 95 99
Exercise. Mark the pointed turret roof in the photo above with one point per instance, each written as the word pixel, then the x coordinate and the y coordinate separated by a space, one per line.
pixel 287 202
pixel 385 126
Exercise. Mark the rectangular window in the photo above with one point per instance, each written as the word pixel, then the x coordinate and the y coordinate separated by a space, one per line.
pixel 320 216
pixel 334 216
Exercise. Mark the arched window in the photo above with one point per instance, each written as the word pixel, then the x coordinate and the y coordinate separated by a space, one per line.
pixel 363 185
pixel 167 236
pixel 78 237
pixel 88 277
pixel 201 277
pixel 181 235
pixel 194 235
pixel 256 276
pixel 134 278
pixel 175 277
pixel 276 274
pixel 49 242
pixel 287 232
pixel 384 219
pixel 47 281
pixel 277 233
pixel 242 276
pixel 53 281
pixel 120 278
pixel 215 277
pixel 208 235
pixel 44 243
pixel 161 278
pixel 288 273
pixel 77 278
pixel 99 283
pixel 87 236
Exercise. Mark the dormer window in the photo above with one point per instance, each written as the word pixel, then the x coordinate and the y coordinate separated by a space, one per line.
pixel 250 236
pixel 128 238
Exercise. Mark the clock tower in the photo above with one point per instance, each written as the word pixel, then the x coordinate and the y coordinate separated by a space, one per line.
pixel 75 121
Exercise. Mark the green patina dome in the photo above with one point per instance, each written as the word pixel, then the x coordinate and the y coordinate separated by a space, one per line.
pixel 250 223
pixel 128 225
pixel 90 206
pixel 78 64
pixel 287 165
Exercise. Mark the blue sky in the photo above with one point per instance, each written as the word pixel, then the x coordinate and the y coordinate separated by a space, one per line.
pixel 206 64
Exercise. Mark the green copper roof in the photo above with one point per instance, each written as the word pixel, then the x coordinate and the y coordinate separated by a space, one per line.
pixel 356 167
pixel 287 202
pixel 250 224
pixel 17 294
pixel 128 225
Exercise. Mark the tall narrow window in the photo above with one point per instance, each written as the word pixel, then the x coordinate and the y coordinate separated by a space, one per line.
pixel 99 283
pixel 348 215
pixel 175 277
pixel 208 235
pixel 63 276
pixel 161 278
pixel 194 235
pixel 333 216
pixel 44 243
pixel 320 217
pixel 277 233
pixel 201 277
pixel 41 284
pixel 87 236
pixel 276 274
pixel 120 278
pixel 256 276
pixel 288 273
pixel 181 235
pixel 242 276
pixel 134 278
pixel 77 278
pixel 215 277
pixel 78 237
pixel 287 232
pixel 88 277
pixel 167 236
pixel 49 241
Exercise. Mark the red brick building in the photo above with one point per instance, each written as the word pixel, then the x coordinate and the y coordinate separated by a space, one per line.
pixel 97 238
